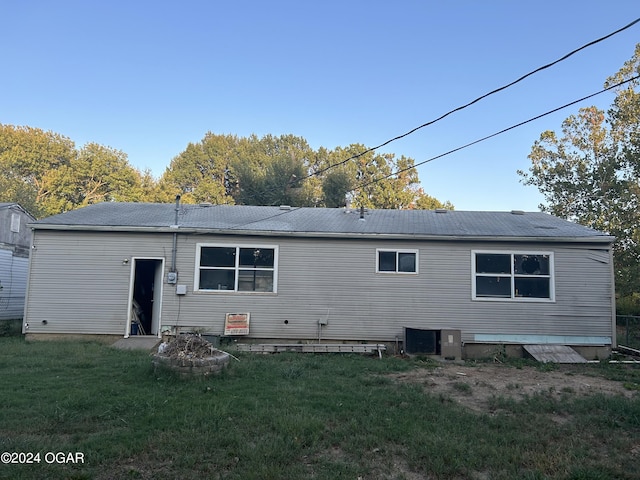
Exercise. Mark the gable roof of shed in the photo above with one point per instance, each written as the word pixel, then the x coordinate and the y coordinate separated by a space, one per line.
pixel 14 205
pixel 260 220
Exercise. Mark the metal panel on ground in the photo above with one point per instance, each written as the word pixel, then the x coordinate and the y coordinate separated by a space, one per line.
pixel 554 354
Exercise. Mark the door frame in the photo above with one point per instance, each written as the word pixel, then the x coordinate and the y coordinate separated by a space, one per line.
pixel 157 296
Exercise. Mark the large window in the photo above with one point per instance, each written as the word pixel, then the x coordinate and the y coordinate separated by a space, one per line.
pixel 526 276
pixel 396 261
pixel 236 268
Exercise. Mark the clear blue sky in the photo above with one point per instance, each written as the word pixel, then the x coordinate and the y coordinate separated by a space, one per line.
pixel 148 77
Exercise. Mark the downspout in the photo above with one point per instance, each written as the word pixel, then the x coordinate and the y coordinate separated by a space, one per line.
pixel 614 319
pixel 32 252
pixel 174 251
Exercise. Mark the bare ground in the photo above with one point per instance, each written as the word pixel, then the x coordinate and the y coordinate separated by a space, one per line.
pixel 473 386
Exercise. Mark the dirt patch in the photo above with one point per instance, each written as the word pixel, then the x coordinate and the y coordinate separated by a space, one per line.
pixel 474 386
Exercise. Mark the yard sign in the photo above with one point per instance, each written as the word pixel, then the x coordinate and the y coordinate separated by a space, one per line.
pixel 236 324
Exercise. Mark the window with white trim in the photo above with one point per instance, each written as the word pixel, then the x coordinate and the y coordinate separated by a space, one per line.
pixel 237 268
pixel 524 276
pixel 396 261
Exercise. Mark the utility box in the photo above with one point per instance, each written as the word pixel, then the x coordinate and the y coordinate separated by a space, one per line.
pixel 451 344
pixel 421 342
pixel 445 343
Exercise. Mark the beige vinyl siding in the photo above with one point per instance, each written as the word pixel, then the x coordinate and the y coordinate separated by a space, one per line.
pixel 79 283
pixel 320 278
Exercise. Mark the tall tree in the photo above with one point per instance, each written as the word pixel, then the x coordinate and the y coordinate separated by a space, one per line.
pixel 46 173
pixel 96 174
pixel 269 171
pixel 591 174
pixel 29 157
pixel 275 170
pixel 335 187
pixel 427 202
pixel 375 180
pixel 201 173
pixel 13 189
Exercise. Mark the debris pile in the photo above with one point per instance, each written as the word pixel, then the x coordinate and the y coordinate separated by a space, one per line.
pixel 188 346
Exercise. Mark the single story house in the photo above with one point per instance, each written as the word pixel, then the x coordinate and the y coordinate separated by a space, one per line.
pixel 15 241
pixel 286 274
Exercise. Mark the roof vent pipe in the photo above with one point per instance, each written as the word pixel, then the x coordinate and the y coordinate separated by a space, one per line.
pixel 347 204
pixel 174 251
pixel 361 213
pixel 177 209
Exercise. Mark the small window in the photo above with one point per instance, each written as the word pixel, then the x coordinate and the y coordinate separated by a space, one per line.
pixel 512 276
pixel 236 268
pixel 397 261
pixel 15 223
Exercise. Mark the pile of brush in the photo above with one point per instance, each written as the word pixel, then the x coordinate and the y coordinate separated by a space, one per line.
pixel 187 346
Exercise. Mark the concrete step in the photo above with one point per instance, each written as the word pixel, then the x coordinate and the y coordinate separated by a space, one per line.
pixel 138 342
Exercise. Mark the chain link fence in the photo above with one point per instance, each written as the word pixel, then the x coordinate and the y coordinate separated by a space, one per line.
pixel 628 330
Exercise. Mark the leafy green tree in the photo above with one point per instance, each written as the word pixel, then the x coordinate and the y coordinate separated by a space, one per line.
pixel 45 173
pixel 591 173
pixel 273 171
pixel 14 189
pixel 427 202
pixel 29 158
pixel 284 170
pixel 375 180
pixel 96 174
pixel 201 172
pixel 152 191
pixel 335 187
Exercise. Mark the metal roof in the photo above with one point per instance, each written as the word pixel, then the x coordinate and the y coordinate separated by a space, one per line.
pixel 294 221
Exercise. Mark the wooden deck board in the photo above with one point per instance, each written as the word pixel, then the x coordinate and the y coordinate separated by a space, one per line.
pixel 312 347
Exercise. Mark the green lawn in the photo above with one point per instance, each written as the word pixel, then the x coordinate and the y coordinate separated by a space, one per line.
pixel 294 416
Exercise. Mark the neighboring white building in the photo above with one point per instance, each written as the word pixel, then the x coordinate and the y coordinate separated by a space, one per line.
pixel 15 240
pixel 322 275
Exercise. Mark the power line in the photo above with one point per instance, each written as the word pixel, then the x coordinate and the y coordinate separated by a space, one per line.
pixel 293 209
pixel 573 52
pixel 498 133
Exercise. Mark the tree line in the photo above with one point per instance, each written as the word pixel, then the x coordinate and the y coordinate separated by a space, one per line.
pixel 47 174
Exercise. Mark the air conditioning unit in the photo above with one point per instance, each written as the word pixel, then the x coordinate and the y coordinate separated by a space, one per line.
pixel 418 341
pixel 443 342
